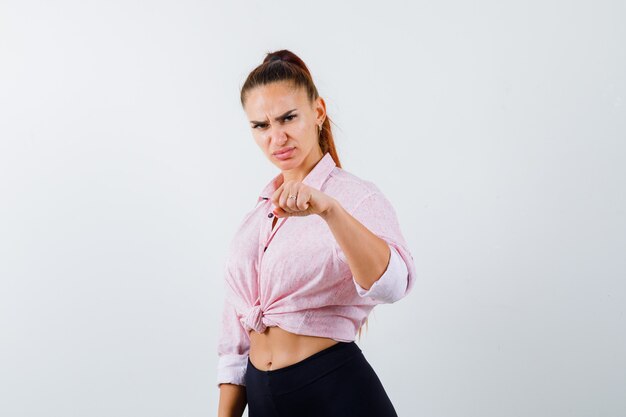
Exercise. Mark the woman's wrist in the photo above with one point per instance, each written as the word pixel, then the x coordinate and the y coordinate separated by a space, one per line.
pixel 331 211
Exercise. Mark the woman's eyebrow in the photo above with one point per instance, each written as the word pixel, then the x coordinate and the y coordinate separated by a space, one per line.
pixel 276 118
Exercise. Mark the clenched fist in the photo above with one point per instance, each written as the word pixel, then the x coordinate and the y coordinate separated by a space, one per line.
pixel 305 200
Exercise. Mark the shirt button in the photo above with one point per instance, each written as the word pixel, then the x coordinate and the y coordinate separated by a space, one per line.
pixel 270 215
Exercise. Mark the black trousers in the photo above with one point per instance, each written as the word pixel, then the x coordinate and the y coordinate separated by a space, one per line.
pixel 335 382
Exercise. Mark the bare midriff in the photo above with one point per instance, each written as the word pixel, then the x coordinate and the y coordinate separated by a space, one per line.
pixel 277 348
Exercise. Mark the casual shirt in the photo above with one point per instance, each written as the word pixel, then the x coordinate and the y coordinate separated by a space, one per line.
pixel 296 276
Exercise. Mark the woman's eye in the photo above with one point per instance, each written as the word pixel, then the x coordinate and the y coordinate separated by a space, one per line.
pixel 286 118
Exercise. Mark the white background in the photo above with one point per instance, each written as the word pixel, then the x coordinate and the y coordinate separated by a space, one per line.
pixel 497 130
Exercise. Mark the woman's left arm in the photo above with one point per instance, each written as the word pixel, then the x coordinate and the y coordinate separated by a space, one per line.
pixel 367 238
pixel 367 255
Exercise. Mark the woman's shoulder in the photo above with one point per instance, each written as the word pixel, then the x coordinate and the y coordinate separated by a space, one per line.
pixel 349 188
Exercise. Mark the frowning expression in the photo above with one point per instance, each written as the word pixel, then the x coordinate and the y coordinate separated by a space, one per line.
pixel 284 123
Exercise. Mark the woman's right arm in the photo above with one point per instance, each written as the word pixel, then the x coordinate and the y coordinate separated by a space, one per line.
pixel 232 400
pixel 232 350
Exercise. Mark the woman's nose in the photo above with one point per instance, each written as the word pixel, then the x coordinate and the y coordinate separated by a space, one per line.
pixel 277 134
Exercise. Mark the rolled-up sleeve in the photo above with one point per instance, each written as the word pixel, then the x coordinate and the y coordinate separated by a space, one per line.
pixel 232 348
pixel 391 286
pixel 376 213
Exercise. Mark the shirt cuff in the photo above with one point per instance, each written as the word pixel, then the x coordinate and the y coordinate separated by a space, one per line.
pixel 232 369
pixel 391 286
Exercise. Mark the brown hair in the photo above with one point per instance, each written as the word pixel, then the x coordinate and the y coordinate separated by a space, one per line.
pixel 284 65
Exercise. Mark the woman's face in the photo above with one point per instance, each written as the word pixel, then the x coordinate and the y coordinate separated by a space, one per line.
pixel 281 118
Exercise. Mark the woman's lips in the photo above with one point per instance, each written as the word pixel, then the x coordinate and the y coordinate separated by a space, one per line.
pixel 286 154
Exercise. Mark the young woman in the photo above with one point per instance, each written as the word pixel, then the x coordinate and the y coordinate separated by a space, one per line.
pixel 306 266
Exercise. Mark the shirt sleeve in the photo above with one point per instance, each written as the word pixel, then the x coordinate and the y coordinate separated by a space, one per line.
pixel 376 213
pixel 392 284
pixel 232 349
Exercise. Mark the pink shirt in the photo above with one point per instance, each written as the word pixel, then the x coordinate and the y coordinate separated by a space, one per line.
pixel 296 276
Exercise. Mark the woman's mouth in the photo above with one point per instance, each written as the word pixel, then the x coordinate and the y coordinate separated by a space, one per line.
pixel 285 153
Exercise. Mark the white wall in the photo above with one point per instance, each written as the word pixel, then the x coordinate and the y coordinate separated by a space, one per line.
pixel 497 130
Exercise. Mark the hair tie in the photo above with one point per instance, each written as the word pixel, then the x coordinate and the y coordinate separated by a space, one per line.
pixel 277 58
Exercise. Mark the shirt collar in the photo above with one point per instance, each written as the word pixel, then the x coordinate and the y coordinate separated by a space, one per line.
pixel 315 178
